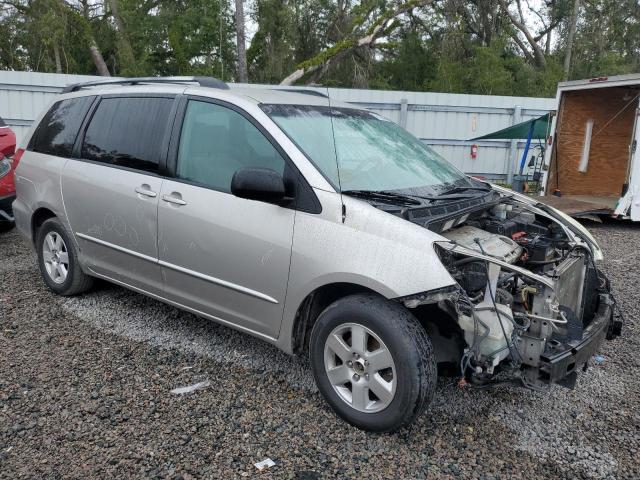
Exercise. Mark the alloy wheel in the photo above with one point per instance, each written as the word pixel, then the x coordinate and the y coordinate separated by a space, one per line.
pixel 360 367
pixel 56 257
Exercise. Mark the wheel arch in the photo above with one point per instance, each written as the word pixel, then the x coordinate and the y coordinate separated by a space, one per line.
pixel 439 322
pixel 313 305
pixel 39 216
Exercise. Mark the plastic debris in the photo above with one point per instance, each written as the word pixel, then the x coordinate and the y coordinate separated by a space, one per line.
pixel 266 463
pixel 191 388
pixel 599 359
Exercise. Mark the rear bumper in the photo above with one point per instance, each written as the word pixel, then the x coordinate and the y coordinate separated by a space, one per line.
pixel 22 215
pixel 560 363
pixel 6 212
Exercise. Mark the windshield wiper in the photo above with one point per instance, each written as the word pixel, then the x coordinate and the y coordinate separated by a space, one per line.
pixel 464 189
pixel 395 198
pixel 384 196
pixel 429 198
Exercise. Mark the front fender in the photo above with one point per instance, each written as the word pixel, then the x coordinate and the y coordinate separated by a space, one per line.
pixel 372 248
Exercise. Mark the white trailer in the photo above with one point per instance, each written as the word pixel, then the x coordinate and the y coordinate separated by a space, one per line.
pixel 593 163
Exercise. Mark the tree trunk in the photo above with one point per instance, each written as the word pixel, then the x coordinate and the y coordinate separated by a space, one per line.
pixel 56 54
pixel 552 16
pixel 124 46
pixel 240 42
pixel 537 53
pixel 98 60
pixel 94 50
pixel 572 33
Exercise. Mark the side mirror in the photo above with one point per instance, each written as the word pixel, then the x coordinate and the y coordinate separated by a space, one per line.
pixel 261 184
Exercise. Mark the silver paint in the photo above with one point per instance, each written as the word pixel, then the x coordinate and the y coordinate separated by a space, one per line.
pixel 217 241
pixel 102 203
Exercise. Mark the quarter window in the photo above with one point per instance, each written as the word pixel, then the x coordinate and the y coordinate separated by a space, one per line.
pixel 216 141
pixel 128 132
pixel 58 129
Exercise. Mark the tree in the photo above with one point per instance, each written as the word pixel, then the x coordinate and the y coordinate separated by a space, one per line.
pixel 240 39
pixel 86 17
pixel 271 49
pixel 129 66
pixel 530 47
pixel 573 24
pixel 363 35
pixel 509 47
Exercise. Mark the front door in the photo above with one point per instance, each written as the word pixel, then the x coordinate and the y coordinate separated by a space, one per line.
pixel 222 255
pixel 111 194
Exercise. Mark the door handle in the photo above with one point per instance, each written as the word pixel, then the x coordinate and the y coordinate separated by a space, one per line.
pixel 173 199
pixel 146 191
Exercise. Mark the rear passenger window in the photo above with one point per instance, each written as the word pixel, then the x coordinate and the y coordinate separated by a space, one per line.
pixel 58 129
pixel 216 141
pixel 128 132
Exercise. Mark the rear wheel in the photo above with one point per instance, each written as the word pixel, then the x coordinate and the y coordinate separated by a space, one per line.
pixel 373 362
pixel 58 260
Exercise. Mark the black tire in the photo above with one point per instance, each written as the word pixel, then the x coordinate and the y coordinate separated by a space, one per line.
pixel 76 281
pixel 410 348
pixel 6 226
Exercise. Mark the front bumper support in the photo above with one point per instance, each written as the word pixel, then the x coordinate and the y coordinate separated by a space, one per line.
pixel 560 361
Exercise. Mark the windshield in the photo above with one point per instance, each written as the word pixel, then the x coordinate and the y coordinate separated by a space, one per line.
pixel 373 153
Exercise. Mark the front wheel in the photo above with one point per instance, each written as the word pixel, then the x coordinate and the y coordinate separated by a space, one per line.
pixel 373 362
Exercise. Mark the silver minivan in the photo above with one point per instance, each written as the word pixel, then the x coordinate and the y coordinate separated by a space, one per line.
pixel 324 229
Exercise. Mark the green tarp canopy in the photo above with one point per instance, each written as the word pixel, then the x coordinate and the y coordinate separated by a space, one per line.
pixel 521 130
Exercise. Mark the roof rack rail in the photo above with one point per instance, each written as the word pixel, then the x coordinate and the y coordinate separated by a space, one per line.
pixel 209 82
pixel 302 91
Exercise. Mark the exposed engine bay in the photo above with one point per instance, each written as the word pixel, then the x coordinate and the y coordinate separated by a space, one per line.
pixel 531 300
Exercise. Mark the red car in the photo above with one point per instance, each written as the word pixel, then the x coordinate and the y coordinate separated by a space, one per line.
pixel 7 167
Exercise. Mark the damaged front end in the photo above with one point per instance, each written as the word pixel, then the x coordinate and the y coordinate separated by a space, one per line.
pixel 530 299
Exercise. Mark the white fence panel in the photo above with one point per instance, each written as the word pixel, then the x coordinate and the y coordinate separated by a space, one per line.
pixel 444 121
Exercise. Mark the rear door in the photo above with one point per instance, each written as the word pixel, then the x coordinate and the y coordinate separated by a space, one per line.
pixel 111 191
pixel 633 190
pixel 222 255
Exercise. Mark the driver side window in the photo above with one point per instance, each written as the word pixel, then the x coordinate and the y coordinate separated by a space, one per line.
pixel 216 141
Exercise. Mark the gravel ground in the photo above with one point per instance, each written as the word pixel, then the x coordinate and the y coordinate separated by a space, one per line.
pixel 85 391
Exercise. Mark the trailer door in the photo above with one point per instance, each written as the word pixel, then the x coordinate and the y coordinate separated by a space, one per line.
pixel 632 195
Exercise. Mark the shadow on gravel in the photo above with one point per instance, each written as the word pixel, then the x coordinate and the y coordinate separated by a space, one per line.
pixel 129 314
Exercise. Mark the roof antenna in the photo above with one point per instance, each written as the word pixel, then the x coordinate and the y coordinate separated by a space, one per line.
pixel 335 151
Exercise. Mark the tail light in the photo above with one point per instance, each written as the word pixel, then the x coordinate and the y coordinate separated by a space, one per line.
pixel 16 158
pixel 5 167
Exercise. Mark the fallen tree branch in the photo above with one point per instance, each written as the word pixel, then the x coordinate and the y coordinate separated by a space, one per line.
pixel 384 25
